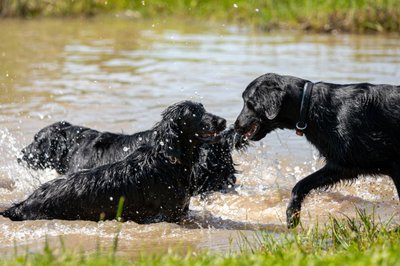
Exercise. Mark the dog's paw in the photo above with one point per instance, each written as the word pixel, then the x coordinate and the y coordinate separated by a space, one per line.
pixel 292 217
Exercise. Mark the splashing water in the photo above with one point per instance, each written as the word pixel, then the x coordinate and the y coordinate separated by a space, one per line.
pixel 15 177
pixel 118 75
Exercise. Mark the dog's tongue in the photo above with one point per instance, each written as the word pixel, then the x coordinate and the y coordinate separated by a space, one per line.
pixel 248 134
pixel 211 134
pixel 251 131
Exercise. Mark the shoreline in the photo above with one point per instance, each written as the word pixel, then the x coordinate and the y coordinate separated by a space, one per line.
pixel 363 16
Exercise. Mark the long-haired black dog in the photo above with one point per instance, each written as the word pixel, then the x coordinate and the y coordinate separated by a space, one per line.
pixel 355 127
pixel 154 180
pixel 69 148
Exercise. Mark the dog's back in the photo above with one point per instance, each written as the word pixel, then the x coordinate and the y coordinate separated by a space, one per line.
pixel 154 179
pixel 100 148
pixel 152 188
pixel 361 124
pixel 69 148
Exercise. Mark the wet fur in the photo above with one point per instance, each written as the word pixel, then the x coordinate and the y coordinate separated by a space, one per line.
pixel 154 180
pixel 69 148
pixel 355 127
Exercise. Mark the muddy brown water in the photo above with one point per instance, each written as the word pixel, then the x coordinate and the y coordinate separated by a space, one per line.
pixel 118 75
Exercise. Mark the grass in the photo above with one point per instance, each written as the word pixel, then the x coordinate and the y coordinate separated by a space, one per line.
pixel 311 15
pixel 363 240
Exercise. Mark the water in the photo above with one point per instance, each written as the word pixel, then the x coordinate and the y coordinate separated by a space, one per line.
pixel 118 75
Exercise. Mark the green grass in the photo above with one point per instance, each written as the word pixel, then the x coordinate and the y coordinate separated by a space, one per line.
pixel 314 15
pixel 363 240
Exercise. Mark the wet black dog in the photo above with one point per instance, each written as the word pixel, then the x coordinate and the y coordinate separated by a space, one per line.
pixel 68 148
pixel 154 180
pixel 355 127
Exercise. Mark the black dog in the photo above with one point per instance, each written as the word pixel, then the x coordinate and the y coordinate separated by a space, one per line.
pixel 355 127
pixel 68 148
pixel 154 180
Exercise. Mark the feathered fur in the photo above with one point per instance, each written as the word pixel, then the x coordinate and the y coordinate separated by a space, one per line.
pixel 68 148
pixel 155 180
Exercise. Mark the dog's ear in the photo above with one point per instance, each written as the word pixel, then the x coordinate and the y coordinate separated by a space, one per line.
pixel 173 126
pixel 270 96
pixel 169 146
pixel 273 103
pixel 167 136
pixel 59 149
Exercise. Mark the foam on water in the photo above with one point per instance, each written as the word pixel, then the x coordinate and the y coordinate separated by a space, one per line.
pixel 15 177
pixel 258 202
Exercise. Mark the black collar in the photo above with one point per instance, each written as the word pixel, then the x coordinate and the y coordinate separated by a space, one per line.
pixel 305 103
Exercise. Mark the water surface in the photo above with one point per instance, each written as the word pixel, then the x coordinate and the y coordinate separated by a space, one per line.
pixel 118 75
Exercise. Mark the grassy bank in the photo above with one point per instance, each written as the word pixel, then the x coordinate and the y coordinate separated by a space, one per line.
pixel 359 241
pixel 314 15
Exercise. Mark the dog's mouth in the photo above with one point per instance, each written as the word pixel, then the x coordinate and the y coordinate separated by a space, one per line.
pixel 31 160
pixel 210 136
pixel 252 131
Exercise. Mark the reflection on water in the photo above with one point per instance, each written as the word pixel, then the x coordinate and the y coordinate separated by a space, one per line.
pixel 119 75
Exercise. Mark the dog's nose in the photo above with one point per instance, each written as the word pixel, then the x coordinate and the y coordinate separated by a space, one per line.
pixel 237 126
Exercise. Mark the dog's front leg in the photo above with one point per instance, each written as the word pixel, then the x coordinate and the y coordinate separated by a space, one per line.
pixel 326 176
pixel 395 175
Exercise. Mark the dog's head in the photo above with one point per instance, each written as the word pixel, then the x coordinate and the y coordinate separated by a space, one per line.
pixel 189 120
pixel 185 125
pixel 47 149
pixel 263 99
pixel 230 140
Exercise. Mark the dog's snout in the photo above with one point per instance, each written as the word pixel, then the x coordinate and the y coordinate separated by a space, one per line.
pixel 238 127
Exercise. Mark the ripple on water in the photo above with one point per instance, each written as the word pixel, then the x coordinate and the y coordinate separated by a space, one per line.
pixel 118 76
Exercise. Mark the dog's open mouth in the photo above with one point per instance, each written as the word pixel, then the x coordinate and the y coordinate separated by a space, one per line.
pixel 210 136
pixel 252 131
